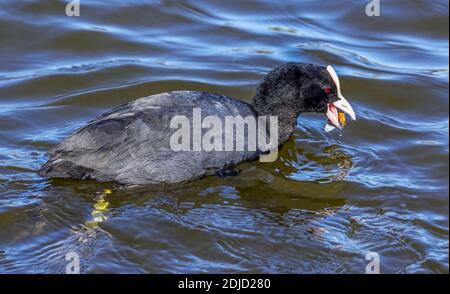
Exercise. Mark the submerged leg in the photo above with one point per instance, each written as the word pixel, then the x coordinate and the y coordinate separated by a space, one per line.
pixel 228 171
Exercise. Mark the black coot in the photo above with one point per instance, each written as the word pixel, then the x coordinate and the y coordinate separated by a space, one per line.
pixel 130 144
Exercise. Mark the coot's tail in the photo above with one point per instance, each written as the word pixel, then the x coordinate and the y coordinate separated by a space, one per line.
pixel 61 168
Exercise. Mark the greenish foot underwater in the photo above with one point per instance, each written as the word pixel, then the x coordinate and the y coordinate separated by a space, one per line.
pixel 377 185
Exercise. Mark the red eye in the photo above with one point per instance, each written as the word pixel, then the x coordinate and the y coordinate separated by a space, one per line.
pixel 327 90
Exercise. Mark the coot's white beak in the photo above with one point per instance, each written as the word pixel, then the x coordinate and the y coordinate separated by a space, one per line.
pixel 335 118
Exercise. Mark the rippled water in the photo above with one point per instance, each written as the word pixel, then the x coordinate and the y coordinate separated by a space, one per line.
pixel 381 186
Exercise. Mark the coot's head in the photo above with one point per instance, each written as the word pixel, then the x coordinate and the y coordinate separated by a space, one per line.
pixel 295 88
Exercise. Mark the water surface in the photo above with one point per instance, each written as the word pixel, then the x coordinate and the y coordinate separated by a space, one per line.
pixel 330 198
